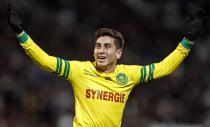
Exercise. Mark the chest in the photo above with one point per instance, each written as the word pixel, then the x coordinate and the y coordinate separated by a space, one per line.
pixel 117 82
pixel 91 85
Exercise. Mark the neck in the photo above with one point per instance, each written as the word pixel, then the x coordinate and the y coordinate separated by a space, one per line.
pixel 107 69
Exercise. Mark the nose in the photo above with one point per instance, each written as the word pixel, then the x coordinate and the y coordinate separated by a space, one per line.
pixel 101 50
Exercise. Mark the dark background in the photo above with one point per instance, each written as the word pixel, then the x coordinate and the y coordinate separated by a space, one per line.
pixel 31 97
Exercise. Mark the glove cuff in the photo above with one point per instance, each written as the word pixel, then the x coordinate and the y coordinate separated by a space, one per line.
pixel 17 29
pixel 22 37
pixel 186 43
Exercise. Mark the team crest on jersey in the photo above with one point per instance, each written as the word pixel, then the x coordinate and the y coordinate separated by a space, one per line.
pixel 122 78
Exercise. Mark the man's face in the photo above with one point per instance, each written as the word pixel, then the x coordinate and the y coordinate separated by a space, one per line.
pixel 105 52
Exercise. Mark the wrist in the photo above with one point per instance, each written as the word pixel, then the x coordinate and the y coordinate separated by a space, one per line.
pixel 22 37
pixel 186 43
pixel 18 29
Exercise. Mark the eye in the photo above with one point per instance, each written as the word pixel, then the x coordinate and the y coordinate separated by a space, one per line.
pixel 97 46
pixel 108 45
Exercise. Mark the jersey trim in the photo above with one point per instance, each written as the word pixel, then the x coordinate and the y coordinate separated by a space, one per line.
pixel 66 69
pixel 143 74
pixel 58 66
pixel 186 43
pixel 151 70
pixel 23 37
pixel 60 71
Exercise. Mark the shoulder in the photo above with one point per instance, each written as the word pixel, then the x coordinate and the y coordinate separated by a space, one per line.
pixel 80 63
pixel 129 72
pixel 128 67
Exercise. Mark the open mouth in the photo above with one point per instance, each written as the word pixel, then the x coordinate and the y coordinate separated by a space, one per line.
pixel 101 58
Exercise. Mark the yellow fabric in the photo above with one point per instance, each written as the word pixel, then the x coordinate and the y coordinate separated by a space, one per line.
pixel 169 64
pixel 100 98
pixel 39 56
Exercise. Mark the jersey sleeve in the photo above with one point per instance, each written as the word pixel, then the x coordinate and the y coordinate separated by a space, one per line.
pixel 50 63
pixel 167 65
pixel 134 73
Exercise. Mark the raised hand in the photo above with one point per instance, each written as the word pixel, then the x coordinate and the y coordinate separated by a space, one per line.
pixel 14 20
pixel 196 25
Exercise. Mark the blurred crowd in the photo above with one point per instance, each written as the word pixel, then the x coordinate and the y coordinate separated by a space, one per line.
pixel 31 97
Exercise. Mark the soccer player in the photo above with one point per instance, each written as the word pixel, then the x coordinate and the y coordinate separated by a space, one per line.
pixel 102 87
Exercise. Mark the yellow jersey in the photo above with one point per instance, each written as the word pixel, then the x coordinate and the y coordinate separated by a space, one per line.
pixel 100 98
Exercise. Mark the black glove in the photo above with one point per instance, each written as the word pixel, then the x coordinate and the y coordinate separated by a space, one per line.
pixel 196 25
pixel 14 20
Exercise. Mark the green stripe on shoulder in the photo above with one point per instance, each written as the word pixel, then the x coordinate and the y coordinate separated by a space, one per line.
pixel 58 66
pixel 151 70
pixel 68 65
pixel 66 69
pixel 143 74
pixel 186 43
pixel 23 37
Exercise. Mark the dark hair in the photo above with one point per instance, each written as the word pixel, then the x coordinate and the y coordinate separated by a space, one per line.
pixel 119 40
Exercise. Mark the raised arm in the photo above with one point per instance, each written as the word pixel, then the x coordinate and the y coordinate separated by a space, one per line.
pixel 167 65
pixel 42 59
pixel 173 60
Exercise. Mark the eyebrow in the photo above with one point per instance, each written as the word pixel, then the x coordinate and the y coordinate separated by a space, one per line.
pixel 103 43
pixel 97 43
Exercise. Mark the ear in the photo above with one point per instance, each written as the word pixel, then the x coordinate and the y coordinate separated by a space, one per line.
pixel 119 53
